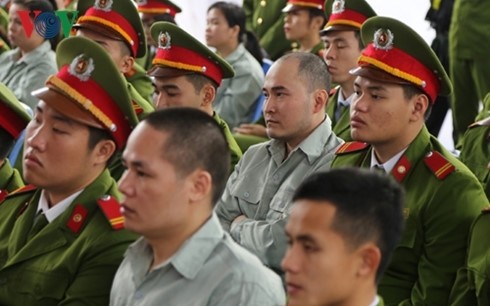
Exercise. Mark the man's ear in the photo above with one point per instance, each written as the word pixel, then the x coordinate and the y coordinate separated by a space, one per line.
pixel 321 99
pixel 201 184
pixel 420 105
pixel 370 258
pixel 104 150
pixel 208 93
pixel 127 64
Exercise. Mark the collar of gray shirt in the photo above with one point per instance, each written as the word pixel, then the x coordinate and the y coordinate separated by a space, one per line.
pixel 32 56
pixel 313 145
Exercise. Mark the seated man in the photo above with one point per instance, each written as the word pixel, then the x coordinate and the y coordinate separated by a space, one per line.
pixel 177 164
pixel 13 120
pixel 257 198
pixel 343 228
pixel 187 73
pixel 397 81
pixel 62 238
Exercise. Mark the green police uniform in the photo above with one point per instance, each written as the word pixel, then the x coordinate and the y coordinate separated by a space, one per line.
pixel 469 63
pixel 438 217
pixel 341 127
pixel 3 31
pixel 120 20
pixel 180 54
pixel 73 258
pixel 10 179
pixel 13 120
pixel 443 197
pixel 475 151
pixel 472 286
pixel 265 19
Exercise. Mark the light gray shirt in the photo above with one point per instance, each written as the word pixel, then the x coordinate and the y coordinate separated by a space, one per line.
pixel 26 74
pixel 262 186
pixel 209 269
pixel 237 96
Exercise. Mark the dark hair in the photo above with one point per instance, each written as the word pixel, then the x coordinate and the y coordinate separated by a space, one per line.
pixel 195 140
pixel 314 12
pixel 6 143
pixel 368 207
pixel 235 16
pixel 97 135
pixel 409 91
pixel 357 34
pixel 198 81
pixel 311 69
pixel 42 6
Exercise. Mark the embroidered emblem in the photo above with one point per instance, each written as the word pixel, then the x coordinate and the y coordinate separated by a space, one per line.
pixel 76 219
pixel 82 67
pixel 103 5
pixel 164 40
pixel 383 39
pixel 338 6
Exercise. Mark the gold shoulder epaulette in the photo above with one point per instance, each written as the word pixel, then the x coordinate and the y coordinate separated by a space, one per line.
pixel 350 147
pixel 112 211
pixel 438 165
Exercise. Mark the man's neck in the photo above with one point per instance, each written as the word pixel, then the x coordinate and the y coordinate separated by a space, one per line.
pixel 307 43
pixel 385 151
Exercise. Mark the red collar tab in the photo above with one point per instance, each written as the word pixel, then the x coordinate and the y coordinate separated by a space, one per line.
pixel 439 165
pixel 349 147
pixel 112 211
pixel 77 218
pixel 3 194
pixel 401 169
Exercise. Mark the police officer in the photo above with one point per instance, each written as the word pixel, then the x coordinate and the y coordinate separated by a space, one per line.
pixel 265 19
pixel 13 120
pixel 117 26
pixel 343 46
pixel 152 11
pixel 187 73
pixel 62 238
pixel 398 79
pixel 302 23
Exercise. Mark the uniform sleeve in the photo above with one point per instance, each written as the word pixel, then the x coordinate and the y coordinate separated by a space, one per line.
pixel 472 286
pixel 447 220
pixel 274 40
pixel 92 283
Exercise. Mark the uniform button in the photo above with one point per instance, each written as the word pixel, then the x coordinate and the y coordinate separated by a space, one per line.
pixel 246 194
pixel 263 3
pixel 3 281
pixel 259 20
pixel 138 295
pixel 275 177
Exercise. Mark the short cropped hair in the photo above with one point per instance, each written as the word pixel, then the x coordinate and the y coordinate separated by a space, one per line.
pixel 198 81
pixel 409 91
pixel 195 141
pixel 369 207
pixel 311 69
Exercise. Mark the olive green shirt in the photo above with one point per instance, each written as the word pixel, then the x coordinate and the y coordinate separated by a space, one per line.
pixel 235 151
pixel 142 83
pixel 71 261
pixel 472 286
pixel 439 211
pixel 262 186
pixel 10 179
pixel 266 19
pixel 340 126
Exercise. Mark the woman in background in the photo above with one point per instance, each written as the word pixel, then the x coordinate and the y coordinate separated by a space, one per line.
pixel 237 97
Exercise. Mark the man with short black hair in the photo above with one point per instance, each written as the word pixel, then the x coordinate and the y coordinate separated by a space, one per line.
pixel 177 163
pixel 257 198
pixel 343 228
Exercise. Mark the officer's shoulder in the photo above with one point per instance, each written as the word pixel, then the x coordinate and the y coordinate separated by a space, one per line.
pixel 25 190
pixel 351 147
pixel 111 209
pixel 439 165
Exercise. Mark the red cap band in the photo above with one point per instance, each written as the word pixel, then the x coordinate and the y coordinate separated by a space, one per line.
pixel 115 22
pixel 402 65
pixel 98 102
pixel 318 4
pixel 10 121
pixel 156 7
pixel 347 17
pixel 186 59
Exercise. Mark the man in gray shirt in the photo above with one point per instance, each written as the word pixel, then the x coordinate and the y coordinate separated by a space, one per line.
pixel 177 162
pixel 257 198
